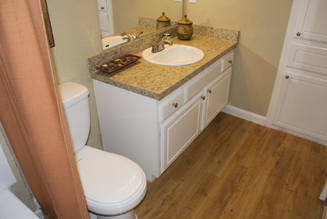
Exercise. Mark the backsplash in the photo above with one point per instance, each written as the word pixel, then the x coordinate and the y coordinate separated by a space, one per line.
pixel 198 29
pixel 216 32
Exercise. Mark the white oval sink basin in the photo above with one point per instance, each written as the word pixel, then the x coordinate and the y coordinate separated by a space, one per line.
pixel 175 55
pixel 111 41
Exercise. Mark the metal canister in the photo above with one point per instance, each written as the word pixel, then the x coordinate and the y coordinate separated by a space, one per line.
pixel 163 21
pixel 185 29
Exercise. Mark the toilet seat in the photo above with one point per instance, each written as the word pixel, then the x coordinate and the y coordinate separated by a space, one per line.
pixel 112 184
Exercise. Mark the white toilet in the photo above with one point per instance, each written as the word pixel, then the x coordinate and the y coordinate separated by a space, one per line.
pixel 113 185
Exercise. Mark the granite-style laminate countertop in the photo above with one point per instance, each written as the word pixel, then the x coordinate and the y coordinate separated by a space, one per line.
pixel 157 81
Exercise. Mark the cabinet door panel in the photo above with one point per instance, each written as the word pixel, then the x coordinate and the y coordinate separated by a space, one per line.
pixel 178 131
pixel 216 97
pixel 310 58
pixel 312 20
pixel 302 105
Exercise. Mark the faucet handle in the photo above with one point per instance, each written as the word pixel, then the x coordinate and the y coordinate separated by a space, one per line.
pixel 138 35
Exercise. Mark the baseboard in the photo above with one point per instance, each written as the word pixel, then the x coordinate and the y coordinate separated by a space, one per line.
pixel 252 117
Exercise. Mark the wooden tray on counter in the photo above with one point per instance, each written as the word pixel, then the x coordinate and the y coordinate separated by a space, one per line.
pixel 119 67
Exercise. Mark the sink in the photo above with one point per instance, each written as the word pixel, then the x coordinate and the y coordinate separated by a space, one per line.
pixel 111 41
pixel 174 55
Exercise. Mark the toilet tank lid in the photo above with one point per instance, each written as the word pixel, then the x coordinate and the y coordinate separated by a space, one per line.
pixel 71 93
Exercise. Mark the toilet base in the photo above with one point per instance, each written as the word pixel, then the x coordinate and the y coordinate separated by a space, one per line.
pixel 128 215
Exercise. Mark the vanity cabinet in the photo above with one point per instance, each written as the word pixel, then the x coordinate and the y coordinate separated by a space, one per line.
pixel 154 133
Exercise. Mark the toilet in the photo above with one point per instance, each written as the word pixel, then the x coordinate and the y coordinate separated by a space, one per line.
pixel 113 184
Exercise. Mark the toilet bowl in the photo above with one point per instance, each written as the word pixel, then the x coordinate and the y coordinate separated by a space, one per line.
pixel 113 184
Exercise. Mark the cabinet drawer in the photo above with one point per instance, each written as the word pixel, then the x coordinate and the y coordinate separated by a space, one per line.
pixel 227 61
pixel 201 80
pixel 170 104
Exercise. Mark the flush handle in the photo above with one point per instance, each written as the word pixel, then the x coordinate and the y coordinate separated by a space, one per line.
pixel 175 105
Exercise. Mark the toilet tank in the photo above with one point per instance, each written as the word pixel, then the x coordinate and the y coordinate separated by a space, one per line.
pixel 75 100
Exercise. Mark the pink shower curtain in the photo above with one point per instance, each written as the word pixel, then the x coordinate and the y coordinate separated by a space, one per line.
pixel 32 114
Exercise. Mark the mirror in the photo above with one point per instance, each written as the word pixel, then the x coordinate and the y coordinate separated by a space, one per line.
pixel 123 16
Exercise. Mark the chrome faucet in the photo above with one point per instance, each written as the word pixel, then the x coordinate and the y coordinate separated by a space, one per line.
pixel 129 37
pixel 160 46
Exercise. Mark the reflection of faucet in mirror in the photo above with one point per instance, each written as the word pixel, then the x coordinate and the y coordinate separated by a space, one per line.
pixel 129 37
pixel 160 46
pixel 138 35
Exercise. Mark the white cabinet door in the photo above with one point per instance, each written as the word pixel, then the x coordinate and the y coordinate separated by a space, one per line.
pixel 216 97
pixel 178 131
pixel 312 21
pixel 302 105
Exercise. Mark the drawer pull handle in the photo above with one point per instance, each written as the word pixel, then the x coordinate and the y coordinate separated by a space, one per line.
pixel 175 105
pixel 230 61
pixel 203 97
pixel 287 77
pixel 209 91
pixel 102 8
pixel 298 34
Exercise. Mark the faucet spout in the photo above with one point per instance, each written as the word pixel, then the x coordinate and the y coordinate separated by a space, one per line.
pixel 160 46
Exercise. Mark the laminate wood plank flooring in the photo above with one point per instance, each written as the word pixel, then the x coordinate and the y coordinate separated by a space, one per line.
pixel 236 169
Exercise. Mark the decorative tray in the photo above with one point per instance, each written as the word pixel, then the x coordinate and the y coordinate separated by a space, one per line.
pixel 118 63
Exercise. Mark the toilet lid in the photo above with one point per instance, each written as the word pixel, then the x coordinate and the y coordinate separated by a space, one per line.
pixel 107 177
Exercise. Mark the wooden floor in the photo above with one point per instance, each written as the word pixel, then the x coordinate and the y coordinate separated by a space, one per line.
pixel 238 169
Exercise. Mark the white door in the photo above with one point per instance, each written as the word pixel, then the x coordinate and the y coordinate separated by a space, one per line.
pixel 312 21
pixel 302 105
pixel 178 131
pixel 216 97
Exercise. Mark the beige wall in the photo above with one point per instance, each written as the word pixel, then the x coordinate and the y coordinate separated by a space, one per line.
pixel 75 26
pixel 126 13
pixel 262 26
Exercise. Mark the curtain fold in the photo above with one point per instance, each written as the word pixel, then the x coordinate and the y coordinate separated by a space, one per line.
pixel 32 114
